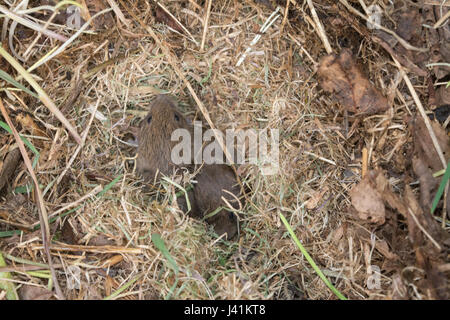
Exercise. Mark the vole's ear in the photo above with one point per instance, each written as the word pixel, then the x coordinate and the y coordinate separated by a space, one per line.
pixel 145 121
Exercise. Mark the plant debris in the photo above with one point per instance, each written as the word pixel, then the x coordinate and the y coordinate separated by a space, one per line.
pixel 341 76
pixel 359 170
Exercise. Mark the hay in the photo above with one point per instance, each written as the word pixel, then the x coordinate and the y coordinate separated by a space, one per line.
pixel 114 74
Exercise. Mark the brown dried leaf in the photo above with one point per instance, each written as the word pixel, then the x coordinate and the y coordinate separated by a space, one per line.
pixel 95 6
pixel 163 17
pixel 424 147
pixel 28 292
pixel 28 123
pixel 67 233
pixel 409 24
pixel 443 95
pixel 426 180
pixel 109 285
pixel 313 201
pixel 368 201
pixel 383 248
pixel 8 167
pixel 112 261
pixel 341 75
pixel 428 223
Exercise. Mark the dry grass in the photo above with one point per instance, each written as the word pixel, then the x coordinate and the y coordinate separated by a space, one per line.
pixel 274 87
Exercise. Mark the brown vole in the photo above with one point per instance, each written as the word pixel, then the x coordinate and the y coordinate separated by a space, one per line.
pixel 213 181
pixel 154 143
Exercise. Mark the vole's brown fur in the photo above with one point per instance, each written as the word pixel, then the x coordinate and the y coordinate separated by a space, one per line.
pixel 214 182
pixel 154 143
pixel 154 154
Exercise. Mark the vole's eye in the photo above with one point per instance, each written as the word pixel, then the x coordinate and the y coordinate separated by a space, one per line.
pixel 149 119
pixel 177 118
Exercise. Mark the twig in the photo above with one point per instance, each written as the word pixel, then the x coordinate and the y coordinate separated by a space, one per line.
pixel 442 20
pixel 80 146
pixel 54 53
pixel 319 28
pixel 31 24
pixel 423 229
pixel 286 13
pixel 272 18
pixel 178 22
pixel 205 25
pixel 422 113
pixel 320 158
pixel 42 210
pixel 59 246
pixel 30 47
pixel 365 161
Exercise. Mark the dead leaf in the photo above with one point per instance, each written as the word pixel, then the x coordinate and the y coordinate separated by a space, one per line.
pixel 341 75
pixel 103 21
pixel 368 202
pixel 383 248
pixel 424 147
pixel 28 123
pixel 163 17
pixel 427 185
pixel 313 201
pixel 9 166
pixel 68 235
pixel 109 285
pixel 28 292
pixel 409 24
pixel 112 261
pixel 427 222
pixel 443 95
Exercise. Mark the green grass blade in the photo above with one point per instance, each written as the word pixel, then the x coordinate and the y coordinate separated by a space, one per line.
pixel 5 76
pixel 109 186
pixel 122 288
pixel 27 143
pixel 205 79
pixel 160 245
pixel 8 286
pixel 310 260
pixel 441 189
pixel 7 234
pixel 188 202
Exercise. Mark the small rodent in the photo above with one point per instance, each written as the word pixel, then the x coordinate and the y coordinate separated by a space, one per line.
pixel 154 143
pixel 214 181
